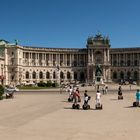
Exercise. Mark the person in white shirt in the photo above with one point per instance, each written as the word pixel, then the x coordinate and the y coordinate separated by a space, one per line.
pixel 70 91
pixel 98 97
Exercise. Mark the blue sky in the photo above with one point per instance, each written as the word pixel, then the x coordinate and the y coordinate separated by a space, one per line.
pixel 68 23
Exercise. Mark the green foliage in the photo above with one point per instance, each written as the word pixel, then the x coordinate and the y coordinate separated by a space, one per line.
pixel 1 91
pixel 54 84
pixel 41 84
pixel 49 83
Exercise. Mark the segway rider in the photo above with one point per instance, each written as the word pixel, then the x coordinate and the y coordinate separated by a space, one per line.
pixel 138 96
pixel 98 97
pixel 120 90
pixel 76 95
pixel 86 97
pixel 70 92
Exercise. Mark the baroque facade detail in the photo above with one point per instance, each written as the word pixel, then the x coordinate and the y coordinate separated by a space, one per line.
pixel 23 64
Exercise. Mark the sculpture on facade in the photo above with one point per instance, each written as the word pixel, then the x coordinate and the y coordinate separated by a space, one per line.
pixel 16 42
pixel 98 71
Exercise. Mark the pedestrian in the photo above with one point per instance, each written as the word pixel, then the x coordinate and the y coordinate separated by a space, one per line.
pixel 130 86
pixel 70 91
pixel 106 89
pixel 138 96
pixel 103 90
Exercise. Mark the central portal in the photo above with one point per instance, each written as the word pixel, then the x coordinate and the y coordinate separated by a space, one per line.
pixel 98 67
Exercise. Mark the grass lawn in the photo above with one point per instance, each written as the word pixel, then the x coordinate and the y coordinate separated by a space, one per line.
pixel 30 87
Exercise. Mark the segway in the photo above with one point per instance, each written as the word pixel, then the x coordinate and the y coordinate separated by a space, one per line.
pixel 86 106
pixel 120 97
pixel 75 106
pixel 10 95
pixel 135 104
pixel 99 106
pixel 70 99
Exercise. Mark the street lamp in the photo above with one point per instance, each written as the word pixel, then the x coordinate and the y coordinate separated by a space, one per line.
pixel 58 76
pixel 58 70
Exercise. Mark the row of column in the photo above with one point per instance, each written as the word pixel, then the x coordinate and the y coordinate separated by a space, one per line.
pixel 124 57
pixel 57 58
pixel 91 57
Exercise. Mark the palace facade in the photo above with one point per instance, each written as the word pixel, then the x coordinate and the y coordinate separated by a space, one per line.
pixel 24 64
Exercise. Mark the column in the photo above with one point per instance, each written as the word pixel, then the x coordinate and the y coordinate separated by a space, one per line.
pixel 70 60
pixel 77 58
pixel 104 56
pixel 92 56
pixel 108 55
pixel 66 59
pixel 112 59
pixel 88 56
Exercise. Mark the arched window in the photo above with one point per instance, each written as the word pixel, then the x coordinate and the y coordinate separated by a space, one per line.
pixel 136 63
pixel 135 75
pixel 114 75
pixel 34 75
pixel 98 57
pixel 122 62
pixel 68 75
pixel 115 63
pixel 54 75
pixel 75 75
pixel 40 75
pixel 122 75
pixel 61 75
pixel 128 63
pixel 75 63
pixel 128 75
pixel 47 75
pixel 27 75
pixel 82 76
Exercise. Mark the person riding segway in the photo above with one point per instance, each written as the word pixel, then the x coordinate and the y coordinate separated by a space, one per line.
pixel 76 98
pixel 98 100
pixel 137 102
pixel 120 96
pixel 86 99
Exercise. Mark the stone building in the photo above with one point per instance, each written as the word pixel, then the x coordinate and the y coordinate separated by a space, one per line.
pixel 24 64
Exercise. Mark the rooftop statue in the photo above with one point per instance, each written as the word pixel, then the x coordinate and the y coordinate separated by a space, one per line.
pixel 16 42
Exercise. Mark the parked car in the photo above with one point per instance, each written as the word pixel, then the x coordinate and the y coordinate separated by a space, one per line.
pixel 11 89
pixel 134 83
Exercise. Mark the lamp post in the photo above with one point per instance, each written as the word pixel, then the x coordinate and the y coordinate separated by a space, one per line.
pixel 58 70
pixel 58 77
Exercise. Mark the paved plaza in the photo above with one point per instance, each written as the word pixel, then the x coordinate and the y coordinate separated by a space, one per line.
pixel 46 115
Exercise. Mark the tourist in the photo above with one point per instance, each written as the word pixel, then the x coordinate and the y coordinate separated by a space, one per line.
pixel 98 97
pixel 120 90
pixel 86 97
pixel 103 90
pixel 76 96
pixel 138 96
pixel 106 89
pixel 70 91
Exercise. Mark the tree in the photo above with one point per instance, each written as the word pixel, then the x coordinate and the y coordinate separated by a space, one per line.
pixel 1 92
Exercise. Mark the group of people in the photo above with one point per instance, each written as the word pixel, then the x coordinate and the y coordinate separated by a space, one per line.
pixel 74 94
pixel 105 89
